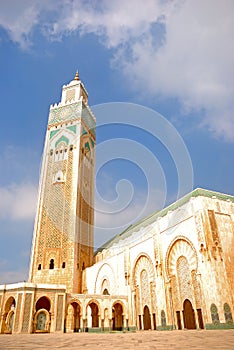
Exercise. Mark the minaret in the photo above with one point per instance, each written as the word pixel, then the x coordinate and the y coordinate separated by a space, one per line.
pixel 63 232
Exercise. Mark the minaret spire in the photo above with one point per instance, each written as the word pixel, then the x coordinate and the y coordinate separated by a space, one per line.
pixel 77 76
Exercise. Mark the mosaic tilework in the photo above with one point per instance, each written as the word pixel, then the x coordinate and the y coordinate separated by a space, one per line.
pixel 65 113
pixel 27 313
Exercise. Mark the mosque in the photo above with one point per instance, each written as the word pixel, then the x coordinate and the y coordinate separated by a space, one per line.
pixel 171 270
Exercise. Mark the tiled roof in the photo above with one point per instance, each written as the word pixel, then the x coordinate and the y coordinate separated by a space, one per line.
pixel 156 214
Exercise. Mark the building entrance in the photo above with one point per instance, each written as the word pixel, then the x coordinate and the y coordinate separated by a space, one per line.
pixel 189 317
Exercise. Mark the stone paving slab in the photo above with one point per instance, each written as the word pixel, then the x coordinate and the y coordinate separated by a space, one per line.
pixel 147 340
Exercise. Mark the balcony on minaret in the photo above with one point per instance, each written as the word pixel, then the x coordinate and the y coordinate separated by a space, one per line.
pixel 74 92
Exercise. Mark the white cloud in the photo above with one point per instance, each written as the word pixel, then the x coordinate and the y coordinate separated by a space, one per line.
pixel 18 183
pixel 180 49
pixel 114 21
pixel 195 63
pixel 18 202
pixel 18 18
pixel 10 276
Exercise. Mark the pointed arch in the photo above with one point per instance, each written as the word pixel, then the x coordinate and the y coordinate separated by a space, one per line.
pixel 117 316
pixel 62 135
pixel 42 321
pixel 73 316
pixel 93 313
pixel 105 272
pixel 62 139
pixel 144 285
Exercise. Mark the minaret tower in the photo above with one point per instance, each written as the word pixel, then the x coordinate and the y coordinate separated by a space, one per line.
pixel 63 232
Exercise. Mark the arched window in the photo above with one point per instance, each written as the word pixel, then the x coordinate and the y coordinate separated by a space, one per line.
pixel 105 287
pixel 63 265
pixel 227 313
pixel 59 177
pixel 214 314
pixel 51 264
pixel 39 267
pixel 61 149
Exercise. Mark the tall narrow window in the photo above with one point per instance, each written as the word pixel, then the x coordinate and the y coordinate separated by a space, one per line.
pixel 51 264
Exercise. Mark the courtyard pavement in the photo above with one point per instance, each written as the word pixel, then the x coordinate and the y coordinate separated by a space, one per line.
pixel 147 340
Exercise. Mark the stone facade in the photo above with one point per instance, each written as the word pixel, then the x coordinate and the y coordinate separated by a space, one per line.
pixel 63 234
pixel 178 264
pixel 172 270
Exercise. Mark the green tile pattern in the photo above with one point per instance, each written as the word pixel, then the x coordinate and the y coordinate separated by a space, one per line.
pixel 62 139
pixel 53 132
pixel 72 128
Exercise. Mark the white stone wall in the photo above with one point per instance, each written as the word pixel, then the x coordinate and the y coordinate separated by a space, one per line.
pixel 208 276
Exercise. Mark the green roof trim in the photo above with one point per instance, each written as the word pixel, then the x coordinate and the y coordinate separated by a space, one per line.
pixel 62 139
pixel 92 142
pixel 53 132
pixel 157 214
pixel 72 128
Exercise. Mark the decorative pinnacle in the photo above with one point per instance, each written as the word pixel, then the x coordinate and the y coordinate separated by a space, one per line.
pixel 76 76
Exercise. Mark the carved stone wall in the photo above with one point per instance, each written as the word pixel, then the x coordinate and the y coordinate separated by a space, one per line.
pixel 27 313
pixel 184 279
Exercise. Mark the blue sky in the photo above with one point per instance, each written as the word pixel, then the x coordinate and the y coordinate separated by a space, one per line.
pixel 172 57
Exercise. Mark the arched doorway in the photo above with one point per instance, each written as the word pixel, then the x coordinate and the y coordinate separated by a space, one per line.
pixel 144 293
pixel 8 317
pixel 117 317
pixel 93 307
pixel 42 315
pixel 73 317
pixel 189 317
pixel 146 318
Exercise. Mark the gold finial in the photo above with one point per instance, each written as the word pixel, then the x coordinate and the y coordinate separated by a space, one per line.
pixel 76 76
